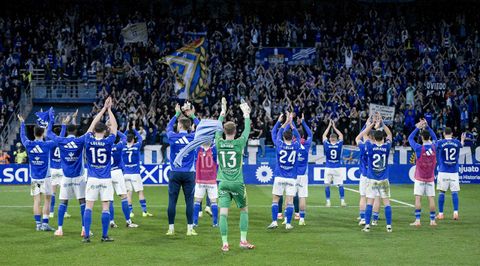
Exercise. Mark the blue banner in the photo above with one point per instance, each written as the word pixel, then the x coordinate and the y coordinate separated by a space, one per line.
pixel 259 174
pixel 283 55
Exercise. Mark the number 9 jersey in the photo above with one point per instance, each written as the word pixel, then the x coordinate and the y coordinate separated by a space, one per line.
pixel 333 153
pixel 378 160
pixel 99 152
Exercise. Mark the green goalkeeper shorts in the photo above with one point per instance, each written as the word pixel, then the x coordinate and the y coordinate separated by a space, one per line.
pixel 228 191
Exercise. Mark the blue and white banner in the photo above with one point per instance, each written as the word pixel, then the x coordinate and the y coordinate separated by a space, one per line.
pixel 283 55
pixel 259 174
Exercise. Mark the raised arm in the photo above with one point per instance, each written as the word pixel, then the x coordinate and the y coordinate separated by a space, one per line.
pixel 246 124
pixel 173 120
pixel 99 116
pixel 139 137
pixel 411 138
pixel 307 130
pixel 23 136
pixel 191 114
pixel 339 133
pixel 275 127
pixel 123 137
pixel 294 129
pixel 324 136
pixel 113 121
pixel 368 126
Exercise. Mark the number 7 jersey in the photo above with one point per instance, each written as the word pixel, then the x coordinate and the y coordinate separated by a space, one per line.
pixel 230 155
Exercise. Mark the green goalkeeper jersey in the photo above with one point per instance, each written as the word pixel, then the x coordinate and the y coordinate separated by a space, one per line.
pixel 230 154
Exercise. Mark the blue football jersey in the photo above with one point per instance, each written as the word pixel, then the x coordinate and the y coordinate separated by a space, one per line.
pixel 131 158
pixel 71 153
pixel 177 141
pixel 117 162
pixel 117 148
pixel 99 153
pixel 363 159
pixel 333 153
pixel 378 160
pixel 286 157
pixel 448 151
pixel 39 155
pixel 55 159
pixel 302 158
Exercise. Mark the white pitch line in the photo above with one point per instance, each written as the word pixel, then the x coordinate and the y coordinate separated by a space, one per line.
pixel 394 200
pixel 251 206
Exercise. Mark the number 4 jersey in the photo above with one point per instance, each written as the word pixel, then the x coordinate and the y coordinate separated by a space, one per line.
pixel 378 160
pixel 99 152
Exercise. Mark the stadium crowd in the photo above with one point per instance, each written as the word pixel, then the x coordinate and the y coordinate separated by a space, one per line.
pixel 384 55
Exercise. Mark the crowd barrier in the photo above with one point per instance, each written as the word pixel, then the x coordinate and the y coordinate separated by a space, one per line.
pixel 258 174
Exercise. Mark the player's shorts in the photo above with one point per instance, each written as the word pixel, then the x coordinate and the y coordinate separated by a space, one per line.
pixel 230 190
pixel 41 186
pixel 56 176
pixel 118 182
pixel 133 182
pixel 210 189
pixel 421 188
pixel 72 188
pixel 447 181
pixel 287 185
pixel 334 175
pixel 362 187
pixel 302 186
pixel 377 188
pixel 99 186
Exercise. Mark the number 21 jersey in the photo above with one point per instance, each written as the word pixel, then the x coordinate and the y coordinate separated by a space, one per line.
pixel 378 160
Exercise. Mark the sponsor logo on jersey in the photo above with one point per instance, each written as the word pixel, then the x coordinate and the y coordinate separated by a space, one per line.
pixel 182 140
pixel 37 149
pixel 71 145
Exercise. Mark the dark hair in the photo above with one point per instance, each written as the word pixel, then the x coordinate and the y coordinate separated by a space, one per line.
pixel 71 129
pixel 448 131
pixel 287 135
pixel 56 130
pixel 130 137
pixel 301 132
pixel 230 128
pixel 38 131
pixel 371 134
pixel 378 135
pixel 100 127
pixel 425 135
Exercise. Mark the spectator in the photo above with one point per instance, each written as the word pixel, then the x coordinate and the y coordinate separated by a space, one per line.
pixel 20 154
pixel 4 157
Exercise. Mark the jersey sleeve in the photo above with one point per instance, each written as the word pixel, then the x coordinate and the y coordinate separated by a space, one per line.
pixel 63 131
pixel 139 137
pixel 111 139
pixel 309 139
pixel 246 130
pixel 23 135
pixel 170 125
pixel 274 131
pixel 219 134
pixel 411 140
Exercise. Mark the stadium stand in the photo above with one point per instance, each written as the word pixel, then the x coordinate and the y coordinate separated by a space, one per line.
pixel 395 56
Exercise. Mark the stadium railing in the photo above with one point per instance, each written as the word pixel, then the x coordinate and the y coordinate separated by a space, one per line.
pixel 10 129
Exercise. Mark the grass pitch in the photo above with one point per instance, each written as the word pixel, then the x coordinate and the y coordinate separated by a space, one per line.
pixel 331 236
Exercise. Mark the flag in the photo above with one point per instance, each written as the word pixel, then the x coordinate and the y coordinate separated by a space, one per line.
pixel 189 65
pixel 136 32
pixel 43 118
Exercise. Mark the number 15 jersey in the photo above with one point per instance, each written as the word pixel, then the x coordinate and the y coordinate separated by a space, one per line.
pixel 99 153
pixel 378 160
